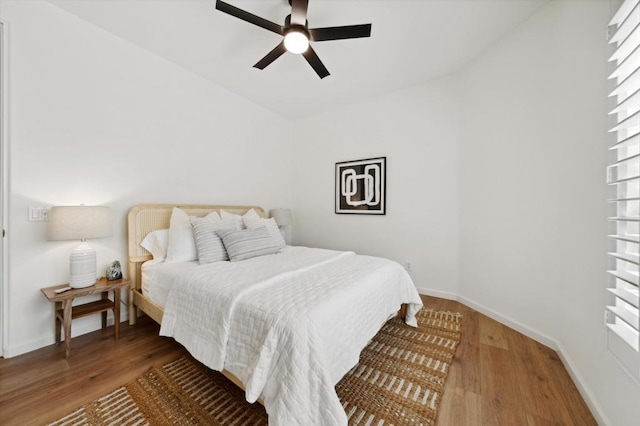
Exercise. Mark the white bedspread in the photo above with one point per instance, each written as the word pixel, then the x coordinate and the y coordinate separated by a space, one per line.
pixel 158 277
pixel 290 325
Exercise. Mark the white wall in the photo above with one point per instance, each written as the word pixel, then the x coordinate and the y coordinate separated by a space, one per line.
pixel 533 212
pixel 96 120
pixel 416 129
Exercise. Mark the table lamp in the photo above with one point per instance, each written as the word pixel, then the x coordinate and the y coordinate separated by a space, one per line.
pixel 80 223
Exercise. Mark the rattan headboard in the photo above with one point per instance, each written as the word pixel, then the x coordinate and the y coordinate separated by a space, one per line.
pixel 145 218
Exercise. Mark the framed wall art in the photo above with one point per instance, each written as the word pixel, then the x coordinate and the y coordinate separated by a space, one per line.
pixel 361 186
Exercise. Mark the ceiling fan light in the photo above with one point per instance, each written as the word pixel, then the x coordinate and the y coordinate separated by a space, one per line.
pixel 296 42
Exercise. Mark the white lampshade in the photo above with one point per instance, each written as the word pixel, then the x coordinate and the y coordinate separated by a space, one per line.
pixel 282 216
pixel 80 223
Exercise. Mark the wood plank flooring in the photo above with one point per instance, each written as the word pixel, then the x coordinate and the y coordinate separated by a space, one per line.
pixel 498 377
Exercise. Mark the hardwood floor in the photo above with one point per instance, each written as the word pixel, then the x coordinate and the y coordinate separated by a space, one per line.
pixel 499 376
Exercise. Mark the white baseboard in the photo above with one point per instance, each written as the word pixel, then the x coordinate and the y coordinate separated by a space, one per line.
pixel 542 338
pixel 11 351
pixel 437 293
pixel 77 329
pixel 509 322
pixel 588 397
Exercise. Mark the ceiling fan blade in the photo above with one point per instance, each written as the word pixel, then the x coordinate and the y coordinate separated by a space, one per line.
pixel 340 33
pixel 312 57
pixel 271 56
pixel 249 17
pixel 299 12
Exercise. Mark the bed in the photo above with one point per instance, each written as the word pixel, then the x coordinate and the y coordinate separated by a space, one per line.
pixel 285 327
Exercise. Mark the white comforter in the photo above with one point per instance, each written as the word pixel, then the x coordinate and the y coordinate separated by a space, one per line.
pixel 290 325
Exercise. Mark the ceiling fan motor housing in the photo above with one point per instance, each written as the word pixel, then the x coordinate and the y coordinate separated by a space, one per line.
pixel 287 22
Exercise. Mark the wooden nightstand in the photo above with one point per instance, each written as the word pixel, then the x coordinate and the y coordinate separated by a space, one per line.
pixel 65 312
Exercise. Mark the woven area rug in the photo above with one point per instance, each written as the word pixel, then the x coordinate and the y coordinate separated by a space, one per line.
pixel 399 380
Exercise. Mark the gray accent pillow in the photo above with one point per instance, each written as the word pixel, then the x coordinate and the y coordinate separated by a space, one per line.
pixel 247 243
pixel 209 245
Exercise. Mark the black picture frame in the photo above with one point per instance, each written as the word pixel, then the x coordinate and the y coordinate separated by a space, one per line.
pixel 361 186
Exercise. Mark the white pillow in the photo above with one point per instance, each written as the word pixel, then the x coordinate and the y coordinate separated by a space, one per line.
pixel 182 244
pixel 239 219
pixel 252 214
pixel 270 224
pixel 156 243
pixel 208 243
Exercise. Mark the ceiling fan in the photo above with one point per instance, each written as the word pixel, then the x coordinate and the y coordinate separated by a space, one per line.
pixel 297 34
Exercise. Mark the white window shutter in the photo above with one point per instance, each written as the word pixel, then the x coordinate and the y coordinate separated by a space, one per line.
pixel 623 177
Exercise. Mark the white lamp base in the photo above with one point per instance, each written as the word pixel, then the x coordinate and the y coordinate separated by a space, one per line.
pixel 82 266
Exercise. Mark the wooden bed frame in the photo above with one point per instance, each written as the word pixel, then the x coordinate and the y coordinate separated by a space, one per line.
pixel 145 218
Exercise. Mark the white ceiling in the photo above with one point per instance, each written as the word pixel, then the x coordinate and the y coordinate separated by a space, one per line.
pixel 412 41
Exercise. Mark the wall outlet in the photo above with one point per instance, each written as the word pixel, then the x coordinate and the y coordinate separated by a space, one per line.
pixel 407 266
pixel 38 214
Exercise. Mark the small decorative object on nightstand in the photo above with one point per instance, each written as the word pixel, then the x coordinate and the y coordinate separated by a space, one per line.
pixel 114 271
pixel 63 296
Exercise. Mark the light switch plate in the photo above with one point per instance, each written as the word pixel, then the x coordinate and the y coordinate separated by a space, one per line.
pixel 38 214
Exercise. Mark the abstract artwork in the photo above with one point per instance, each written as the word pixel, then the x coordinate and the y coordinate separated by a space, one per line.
pixel 360 186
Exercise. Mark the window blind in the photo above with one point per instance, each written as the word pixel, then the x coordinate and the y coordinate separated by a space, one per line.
pixel 623 177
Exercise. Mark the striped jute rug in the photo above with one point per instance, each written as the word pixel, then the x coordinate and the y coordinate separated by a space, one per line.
pixel 399 380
